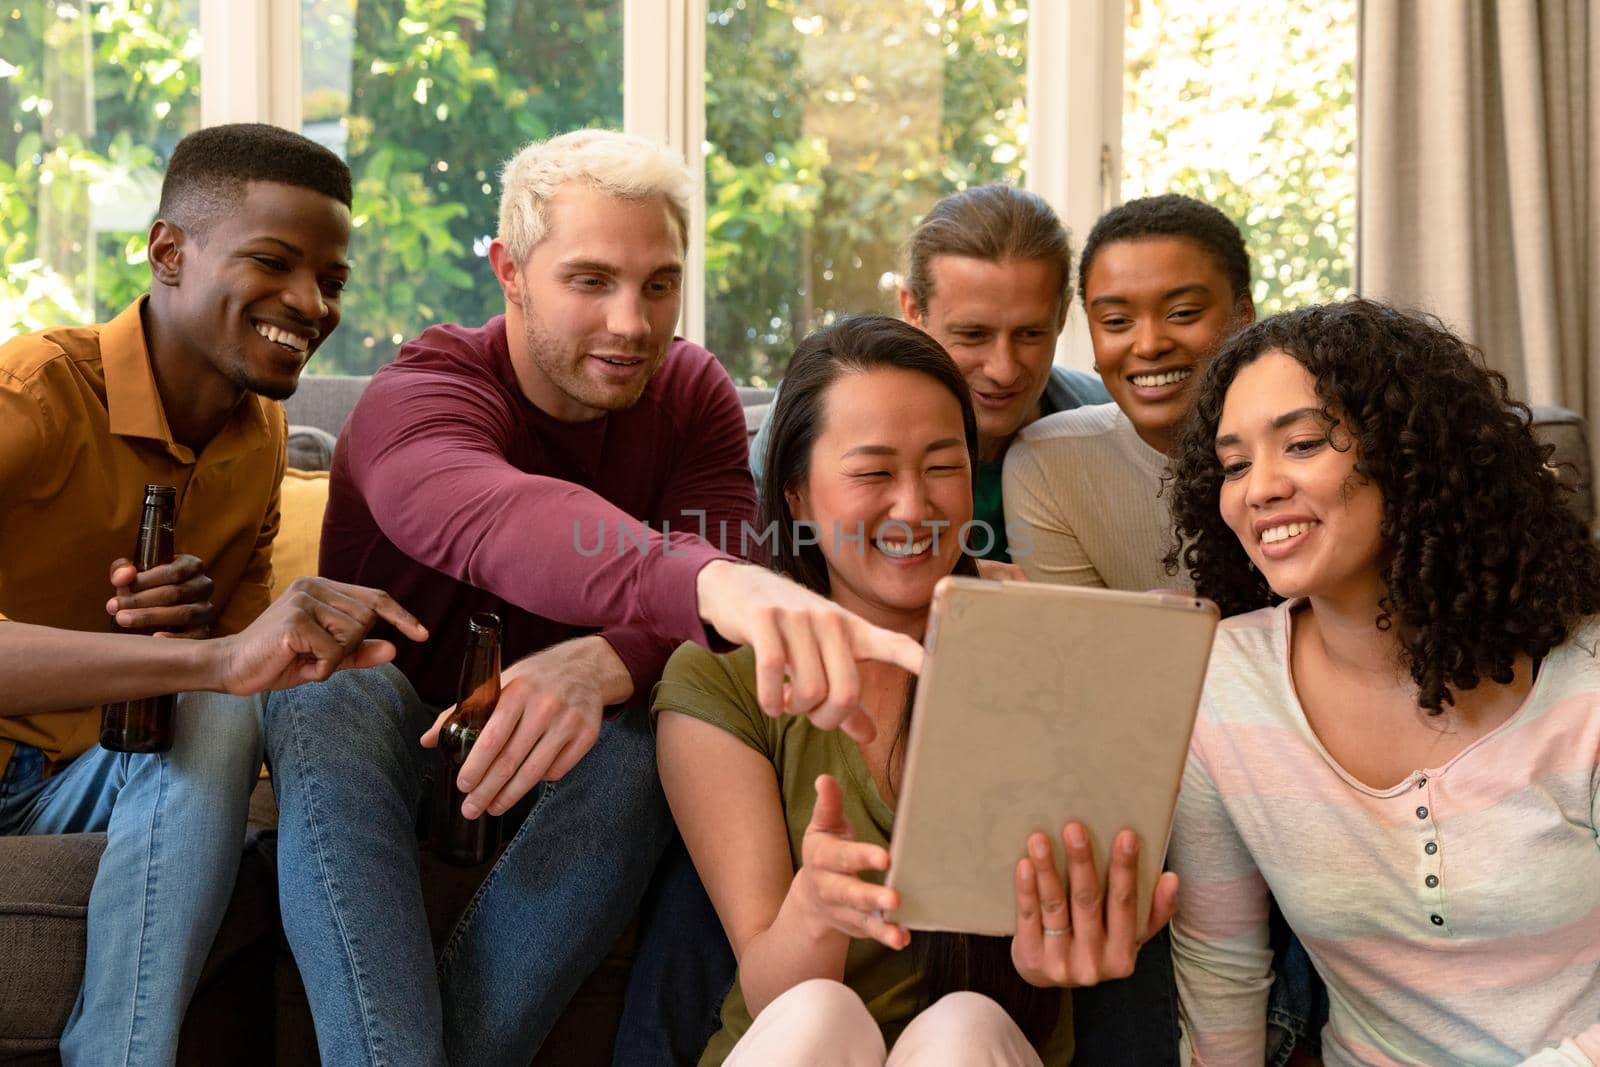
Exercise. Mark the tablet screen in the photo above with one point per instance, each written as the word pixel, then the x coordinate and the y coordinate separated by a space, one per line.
pixel 1039 705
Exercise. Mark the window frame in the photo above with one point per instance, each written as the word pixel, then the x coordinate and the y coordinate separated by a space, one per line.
pixel 1075 127
pixel 250 71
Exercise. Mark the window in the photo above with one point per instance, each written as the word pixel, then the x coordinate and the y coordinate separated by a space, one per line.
pixel 94 95
pixel 831 127
pixel 1251 108
pixel 426 100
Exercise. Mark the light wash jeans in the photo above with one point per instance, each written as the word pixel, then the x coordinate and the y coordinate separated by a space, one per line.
pixel 175 829
pixel 350 774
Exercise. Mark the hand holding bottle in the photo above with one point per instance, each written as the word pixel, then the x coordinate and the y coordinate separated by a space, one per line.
pixel 458 835
pixel 173 599
pixel 547 718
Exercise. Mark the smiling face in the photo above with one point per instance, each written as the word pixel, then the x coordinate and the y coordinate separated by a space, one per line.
pixel 255 291
pixel 590 315
pixel 999 322
pixel 1158 309
pixel 1290 490
pixel 891 461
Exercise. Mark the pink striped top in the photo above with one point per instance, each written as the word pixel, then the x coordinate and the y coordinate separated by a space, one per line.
pixel 1455 916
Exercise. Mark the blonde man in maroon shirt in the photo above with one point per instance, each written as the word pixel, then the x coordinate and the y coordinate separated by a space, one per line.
pixel 555 465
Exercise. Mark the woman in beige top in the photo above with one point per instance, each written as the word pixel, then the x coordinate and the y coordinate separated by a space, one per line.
pixel 1164 281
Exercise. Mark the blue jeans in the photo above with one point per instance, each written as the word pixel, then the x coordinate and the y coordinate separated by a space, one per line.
pixel 350 774
pixel 1297 1006
pixel 681 974
pixel 1132 1021
pixel 175 829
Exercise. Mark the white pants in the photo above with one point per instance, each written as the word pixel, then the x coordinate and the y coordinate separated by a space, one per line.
pixel 823 1021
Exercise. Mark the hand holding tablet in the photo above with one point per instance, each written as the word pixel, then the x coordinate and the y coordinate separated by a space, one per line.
pixel 1041 706
pixel 1073 935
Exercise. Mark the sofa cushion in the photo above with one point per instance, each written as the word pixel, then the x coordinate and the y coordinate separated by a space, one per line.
pixel 44 899
pixel 44 906
pixel 754 416
pixel 294 552
pixel 310 448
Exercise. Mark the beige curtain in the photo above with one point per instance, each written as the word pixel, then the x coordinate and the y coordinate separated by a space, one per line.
pixel 1480 181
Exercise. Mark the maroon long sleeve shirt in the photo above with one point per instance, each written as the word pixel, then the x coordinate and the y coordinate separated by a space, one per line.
pixel 456 494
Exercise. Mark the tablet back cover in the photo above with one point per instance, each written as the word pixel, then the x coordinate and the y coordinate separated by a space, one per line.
pixel 1038 705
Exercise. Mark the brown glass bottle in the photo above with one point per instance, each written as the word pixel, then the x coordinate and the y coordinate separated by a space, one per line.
pixel 456 838
pixel 146 725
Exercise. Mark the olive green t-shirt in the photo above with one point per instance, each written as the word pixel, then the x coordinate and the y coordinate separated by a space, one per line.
pixel 721 690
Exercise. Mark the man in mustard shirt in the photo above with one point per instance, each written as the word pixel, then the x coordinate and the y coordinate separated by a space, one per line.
pixel 247 258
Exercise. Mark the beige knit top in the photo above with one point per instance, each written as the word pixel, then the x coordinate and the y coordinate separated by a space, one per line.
pixel 1085 490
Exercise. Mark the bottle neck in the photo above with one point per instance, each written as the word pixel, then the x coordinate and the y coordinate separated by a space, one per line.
pixel 479 690
pixel 155 537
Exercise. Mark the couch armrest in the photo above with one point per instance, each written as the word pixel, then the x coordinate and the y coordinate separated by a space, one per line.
pixel 310 448
pixel 1566 432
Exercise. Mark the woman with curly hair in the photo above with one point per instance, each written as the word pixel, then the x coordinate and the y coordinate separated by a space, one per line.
pixel 1400 739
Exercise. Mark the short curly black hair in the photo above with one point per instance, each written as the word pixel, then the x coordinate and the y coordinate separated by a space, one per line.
pixel 1484 558
pixel 1171 215
pixel 210 167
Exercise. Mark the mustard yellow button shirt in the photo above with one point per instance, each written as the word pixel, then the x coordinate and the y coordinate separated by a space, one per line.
pixel 82 430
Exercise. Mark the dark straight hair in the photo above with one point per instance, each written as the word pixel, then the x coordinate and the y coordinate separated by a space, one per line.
pixel 856 345
pixel 851 345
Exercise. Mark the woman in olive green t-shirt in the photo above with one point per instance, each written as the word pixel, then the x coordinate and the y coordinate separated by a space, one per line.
pixel 788 823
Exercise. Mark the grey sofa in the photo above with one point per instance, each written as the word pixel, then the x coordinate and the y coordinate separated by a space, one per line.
pixel 1564 431
pixel 250 1008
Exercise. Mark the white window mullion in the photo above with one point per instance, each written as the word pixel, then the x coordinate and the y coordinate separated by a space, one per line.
pixel 284 57
pixel 250 62
pixel 663 98
pixel 1075 124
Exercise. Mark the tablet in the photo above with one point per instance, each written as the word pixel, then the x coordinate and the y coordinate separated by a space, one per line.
pixel 1038 705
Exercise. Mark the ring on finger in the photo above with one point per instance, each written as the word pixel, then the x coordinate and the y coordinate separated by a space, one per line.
pixel 1055 933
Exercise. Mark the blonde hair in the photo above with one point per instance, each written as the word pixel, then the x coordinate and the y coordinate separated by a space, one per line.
pixel 621 164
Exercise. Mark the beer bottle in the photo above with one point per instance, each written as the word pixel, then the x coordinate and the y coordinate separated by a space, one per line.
pixel 456 838
pixel 146 725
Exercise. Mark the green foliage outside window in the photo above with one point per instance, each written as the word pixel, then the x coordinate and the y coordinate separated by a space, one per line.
pixel 441 93
pixel 94 97
pixel 1251 108
pixel 831 126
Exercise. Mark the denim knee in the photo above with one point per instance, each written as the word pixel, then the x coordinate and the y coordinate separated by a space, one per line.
pixel 216 736
pixel 360 713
